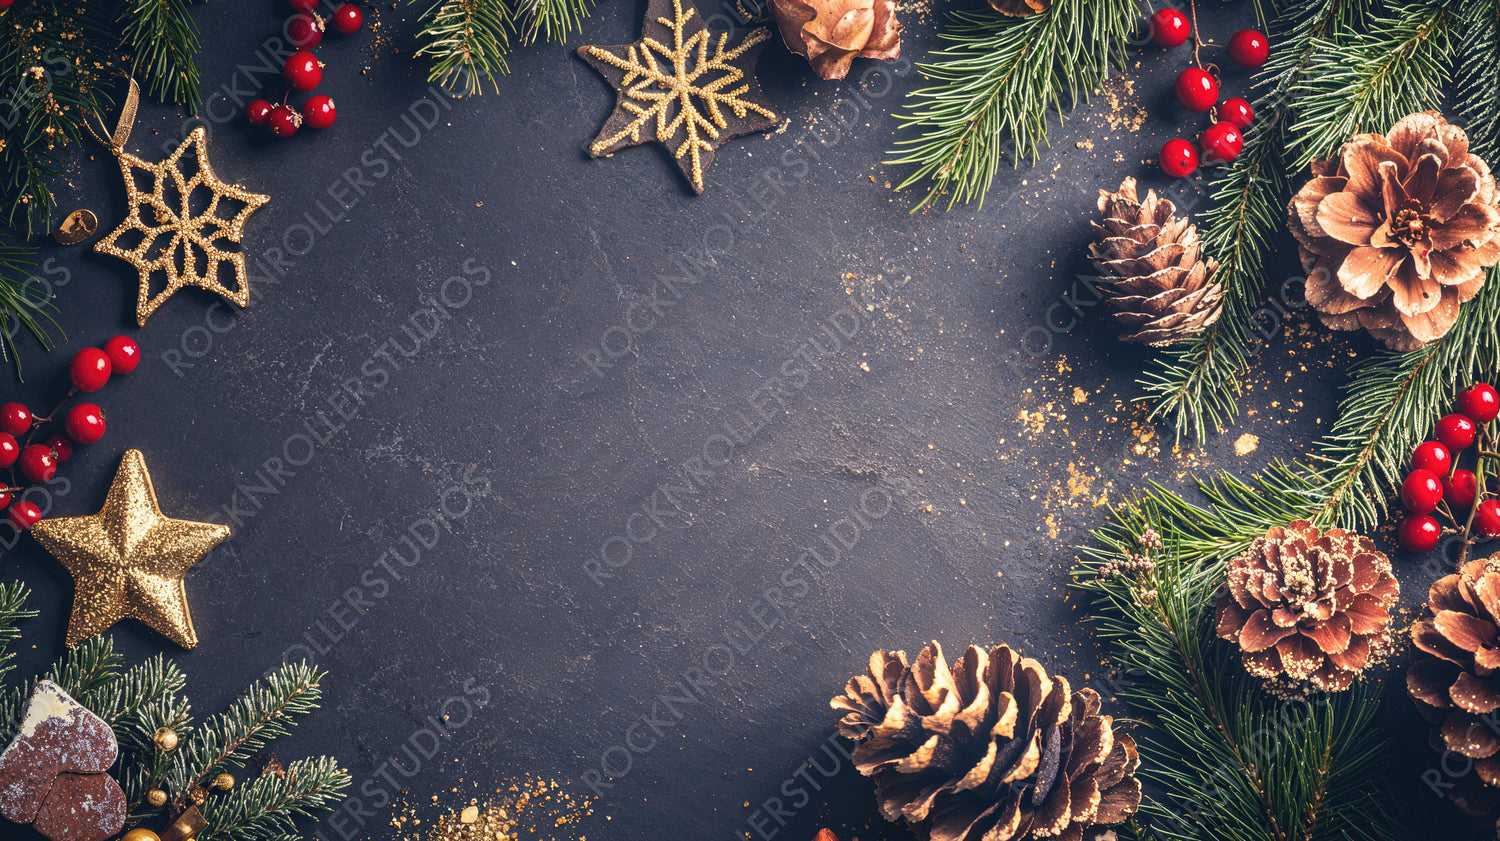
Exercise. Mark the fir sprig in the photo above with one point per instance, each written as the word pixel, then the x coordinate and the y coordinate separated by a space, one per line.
pixel 269 805
pixel 1479 73
pixel 996 84
pixel 227 740
pixel 1195 386
pixel 553 20
pixel 1226 760
pixel 467 40
pixel 162 42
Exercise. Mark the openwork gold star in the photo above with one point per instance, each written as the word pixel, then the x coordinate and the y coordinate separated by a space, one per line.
pixel 697 98
pixel 128 560
pixel 177 227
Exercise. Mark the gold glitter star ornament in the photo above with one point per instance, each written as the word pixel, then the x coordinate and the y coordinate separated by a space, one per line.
pixel 184 224
pixel 128 560
pixel 694 88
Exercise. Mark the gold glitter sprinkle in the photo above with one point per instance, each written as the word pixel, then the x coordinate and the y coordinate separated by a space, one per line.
pixel 128 560
pixel 1246 444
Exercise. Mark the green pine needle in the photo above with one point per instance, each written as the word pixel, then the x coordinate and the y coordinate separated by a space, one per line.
pixel 268 806
pixel 996 84
pixel 467 40
pixel 162 41
pixel 553 20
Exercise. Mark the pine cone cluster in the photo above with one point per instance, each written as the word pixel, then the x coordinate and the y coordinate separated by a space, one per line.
pixel 992 750
pixel 1395 231
pixel 830 34
pixel 1307 605
pixel 1455 678
pixel 1152 268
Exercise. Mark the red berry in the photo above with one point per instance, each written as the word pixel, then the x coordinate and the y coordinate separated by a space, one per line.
pixel 89 369
pixel 10 450
pixel 6 4
pixel 283 121
pixel 1221 143
pixel 1169 28
pixel 302 70
pixel 4 499
pixel 38 462
pixel 1418 533
pixel 23 515
pixel 1430 455
pixel 1237 111
pixel 1460 489
pixel 1487 518
pixel 348 18
pixel 257 112
pixel 15 419
pixel 1249 48
pixel 1196 89
pixel 62 446
pixel 304 30
pixel 1421 491
pixel 1178 157
pixel 1480 402
pixel 304 5
pixel 124 354
pixel 319 112
pixel 85 423
pixel 1456 432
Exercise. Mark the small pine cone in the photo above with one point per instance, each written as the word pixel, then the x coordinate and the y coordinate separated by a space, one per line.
pixel 1455 678
pixel 1307 604
pixel 1152 268
pixel 1020 8
pixel 992 749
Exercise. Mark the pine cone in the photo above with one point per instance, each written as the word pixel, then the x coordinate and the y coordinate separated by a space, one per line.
pixel 1396 231
pixel 1152 268
pixel 1455 678
pixel 1020 8
pixel 1307 604
pixel 993 749
pixel 830 34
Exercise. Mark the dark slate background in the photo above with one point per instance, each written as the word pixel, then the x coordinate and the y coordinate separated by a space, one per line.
pixel 998 434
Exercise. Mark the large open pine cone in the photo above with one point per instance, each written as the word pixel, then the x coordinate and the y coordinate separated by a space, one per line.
pixel 830 34
pixel 1455 677
pixel 1395 232
pixel 992 750
pixel 1152 268
pixel 1307 604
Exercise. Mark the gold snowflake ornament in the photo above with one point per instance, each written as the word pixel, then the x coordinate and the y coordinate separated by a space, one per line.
pixel 697 90
pixel 184 225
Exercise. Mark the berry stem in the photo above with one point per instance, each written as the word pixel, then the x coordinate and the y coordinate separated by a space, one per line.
pixel 1197 41
pixel 1480 492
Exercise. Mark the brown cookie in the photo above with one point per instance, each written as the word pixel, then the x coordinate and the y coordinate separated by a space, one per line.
pixel 56 735
pixel 82 807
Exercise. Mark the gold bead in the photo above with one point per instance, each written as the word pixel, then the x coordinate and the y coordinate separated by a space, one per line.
pixel 198 795
pixel 224 782
pixel 140 834
pixel 156 797
pixel 165 738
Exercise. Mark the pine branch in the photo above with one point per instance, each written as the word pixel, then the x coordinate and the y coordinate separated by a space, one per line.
pixel 162 41
pixel 268 710
pixel 997 82
pixel 553 20
pixel 1369 79
pixel 1194 386
pixel 1227 760
pixel 467 41
pixel 12 611
pixel 1479 75
pixel 268 806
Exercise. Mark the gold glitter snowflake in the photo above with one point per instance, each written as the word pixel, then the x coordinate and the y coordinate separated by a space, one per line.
pixel 688 91
pixel 175 227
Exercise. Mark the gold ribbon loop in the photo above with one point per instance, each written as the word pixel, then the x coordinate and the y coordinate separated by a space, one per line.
pixel 121 134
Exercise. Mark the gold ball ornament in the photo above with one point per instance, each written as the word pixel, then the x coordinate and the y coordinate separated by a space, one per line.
pixel 140 834
pixel 224 782
pixel 198 795
pixel 165 738
pixel 156 797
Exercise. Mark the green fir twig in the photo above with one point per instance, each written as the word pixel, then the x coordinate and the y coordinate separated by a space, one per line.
pixel 162 42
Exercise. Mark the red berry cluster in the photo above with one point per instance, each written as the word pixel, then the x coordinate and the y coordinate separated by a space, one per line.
pixel 83 424
pixel 1437 485
pixel 1198 90
pixel 303 72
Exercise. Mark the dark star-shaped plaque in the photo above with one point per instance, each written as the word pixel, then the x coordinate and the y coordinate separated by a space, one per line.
pixel 682 86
